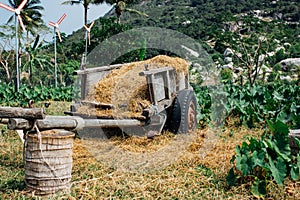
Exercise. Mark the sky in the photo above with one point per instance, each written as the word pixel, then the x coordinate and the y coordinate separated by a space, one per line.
pixel 53 10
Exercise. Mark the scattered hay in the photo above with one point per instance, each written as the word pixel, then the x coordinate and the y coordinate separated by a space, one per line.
pixel 219 149
pixel 81 154
pixel 87 110
pixel 143 144
pixel 197 143
pixel 181 178
pixel 292 189
pixel 126 89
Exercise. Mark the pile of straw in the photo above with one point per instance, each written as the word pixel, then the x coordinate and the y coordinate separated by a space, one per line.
pixel 126 89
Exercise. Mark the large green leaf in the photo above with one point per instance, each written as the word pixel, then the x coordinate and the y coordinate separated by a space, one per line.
pixel 259 188
pixel 231 177
pixel 295 173
pixel 278 170
pixel 278 128
pixel 295 169
pixel 244 163
pixel 282 148
pixel 254 144
pixel 279 141
pixel 259 159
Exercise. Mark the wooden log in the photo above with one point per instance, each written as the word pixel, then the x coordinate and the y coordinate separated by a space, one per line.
pixel 295 131
pixel 97 69
pixel 71 123
pixel 97 104
pixel 155 71
pixel 104 123
pixel 50 122
pixel 87 116
pixel 19 124
pixel 83 85
pixel 25 113
pixel 57 122
pixel 3 121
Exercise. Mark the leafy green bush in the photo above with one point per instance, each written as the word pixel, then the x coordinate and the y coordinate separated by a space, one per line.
pixel 204 102
pixel 9 97
pixel 226 75
pixel 251 104
pixel 265 160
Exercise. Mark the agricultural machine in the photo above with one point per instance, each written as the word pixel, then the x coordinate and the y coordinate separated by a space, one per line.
pixel 173 106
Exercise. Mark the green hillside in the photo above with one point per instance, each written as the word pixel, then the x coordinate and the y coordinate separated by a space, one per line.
pixel 216 25
pixel 207 21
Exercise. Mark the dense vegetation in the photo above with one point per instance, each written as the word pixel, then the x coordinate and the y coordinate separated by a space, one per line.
pixel 214 24
pixel 265 160
pixel 8 96
pixel 250 104
pixel 249 37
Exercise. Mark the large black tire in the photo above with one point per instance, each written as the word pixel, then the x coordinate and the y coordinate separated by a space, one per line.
pixel 182 114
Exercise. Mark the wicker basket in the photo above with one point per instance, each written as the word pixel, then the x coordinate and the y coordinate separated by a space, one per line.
pixel 49 161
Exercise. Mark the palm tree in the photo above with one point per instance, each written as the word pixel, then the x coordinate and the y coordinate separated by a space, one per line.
pixel 37 61
pixel 31 14
pixel 85 4
pixel 121 6
pixel 32 18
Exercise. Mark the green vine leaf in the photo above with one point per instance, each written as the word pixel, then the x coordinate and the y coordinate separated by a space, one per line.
pixel 278 128
pixel 283 150
pixel 242 164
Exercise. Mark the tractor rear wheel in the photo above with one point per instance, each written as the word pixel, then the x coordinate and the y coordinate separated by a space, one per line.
pixel 183 113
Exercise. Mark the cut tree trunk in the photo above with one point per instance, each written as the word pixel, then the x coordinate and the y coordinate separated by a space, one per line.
pixel 25 113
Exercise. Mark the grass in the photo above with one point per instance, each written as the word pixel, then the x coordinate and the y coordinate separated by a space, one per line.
pixel 55 108
pixel 199 173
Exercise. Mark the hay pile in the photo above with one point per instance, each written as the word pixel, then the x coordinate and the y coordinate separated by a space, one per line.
pixel 142 144
pixel 126 90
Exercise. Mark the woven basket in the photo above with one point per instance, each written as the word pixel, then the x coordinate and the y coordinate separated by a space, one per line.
pixel 49 161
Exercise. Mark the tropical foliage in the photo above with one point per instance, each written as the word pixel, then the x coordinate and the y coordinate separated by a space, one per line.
pixel 8 97
pixel 265 160
pixel 85 4
pixel 31 14
pixel 259 34
pixel 251 104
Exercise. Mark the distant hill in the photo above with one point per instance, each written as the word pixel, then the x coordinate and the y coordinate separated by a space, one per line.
pixel 195 17
pixel 203 20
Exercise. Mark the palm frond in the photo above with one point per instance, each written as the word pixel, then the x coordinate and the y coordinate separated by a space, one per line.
pixel 10 20
pixel 12 3
pixel 71 2
pixel 97 1
pixel 36 7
